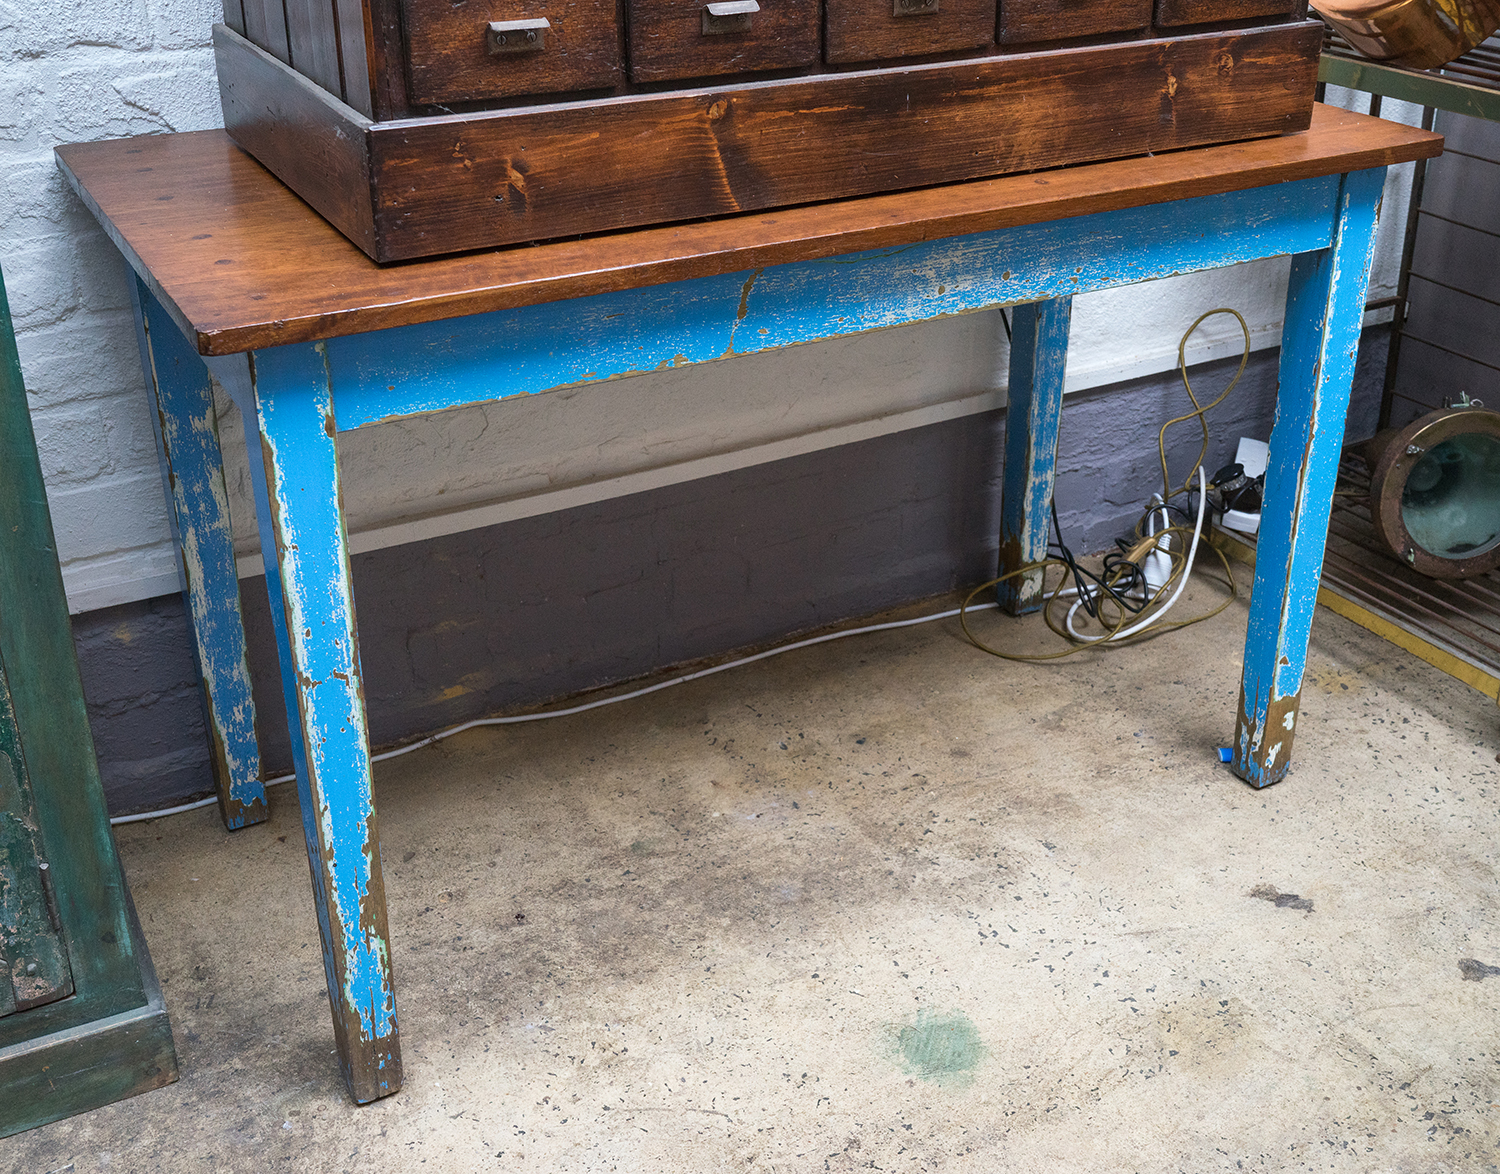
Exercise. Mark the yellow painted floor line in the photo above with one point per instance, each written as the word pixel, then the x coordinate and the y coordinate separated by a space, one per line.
pixel 1455 666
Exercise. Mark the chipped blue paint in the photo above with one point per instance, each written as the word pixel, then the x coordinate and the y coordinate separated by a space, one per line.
pixel 428 367
pixel 187 443
pixel 237 383
pixel 1034 395
pixel 297 488
pixel 1325 308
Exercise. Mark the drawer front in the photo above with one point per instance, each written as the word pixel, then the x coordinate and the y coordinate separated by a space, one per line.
pixel 454 56
pixel 873 30
pixel 1055 20
pixel 1176 12
pixel 676 39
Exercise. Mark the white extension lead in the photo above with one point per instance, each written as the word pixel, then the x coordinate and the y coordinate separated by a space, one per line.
pixel 1161 579
pixel 536 717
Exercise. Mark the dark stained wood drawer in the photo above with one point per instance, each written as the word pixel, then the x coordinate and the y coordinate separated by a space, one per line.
pixel 873 30
pixel 454 56
pixel 1176 12
pixel 1057 20
pixel 692 120
pixel 675 39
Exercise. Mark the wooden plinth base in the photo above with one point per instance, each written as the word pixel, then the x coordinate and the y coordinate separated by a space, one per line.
pixel 87 1065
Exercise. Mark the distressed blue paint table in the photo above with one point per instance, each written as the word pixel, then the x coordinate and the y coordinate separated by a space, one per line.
pixel 234 276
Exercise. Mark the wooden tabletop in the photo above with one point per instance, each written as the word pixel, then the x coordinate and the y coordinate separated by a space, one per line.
pixel 243 263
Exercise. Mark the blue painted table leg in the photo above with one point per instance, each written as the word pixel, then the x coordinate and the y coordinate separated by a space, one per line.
pixel 1038 359
pixel 187 435
pixel 234 375
pixel 295 472
pixel 1324 310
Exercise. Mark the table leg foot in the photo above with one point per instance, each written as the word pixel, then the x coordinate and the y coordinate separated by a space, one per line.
pixel 290 431
pixel 187 433
pixel 1320 340
pixel 1038 360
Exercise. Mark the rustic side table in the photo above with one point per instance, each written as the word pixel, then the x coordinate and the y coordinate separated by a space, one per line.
pixel 235 276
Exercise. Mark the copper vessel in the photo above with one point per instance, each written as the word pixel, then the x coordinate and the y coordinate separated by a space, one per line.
pixel 1422 34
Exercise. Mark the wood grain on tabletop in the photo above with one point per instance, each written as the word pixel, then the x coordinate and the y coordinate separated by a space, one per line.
pixel 243 263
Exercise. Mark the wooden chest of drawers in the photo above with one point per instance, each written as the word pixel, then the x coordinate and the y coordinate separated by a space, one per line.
pixel 420 127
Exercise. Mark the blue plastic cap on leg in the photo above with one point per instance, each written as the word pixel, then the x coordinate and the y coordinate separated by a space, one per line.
pixel 1225 753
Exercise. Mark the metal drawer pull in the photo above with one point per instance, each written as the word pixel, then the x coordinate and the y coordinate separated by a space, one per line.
pixel 729 16
pixel 915 7
pixel 517 36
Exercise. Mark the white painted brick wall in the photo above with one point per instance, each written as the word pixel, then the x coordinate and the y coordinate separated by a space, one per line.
pixel 72 71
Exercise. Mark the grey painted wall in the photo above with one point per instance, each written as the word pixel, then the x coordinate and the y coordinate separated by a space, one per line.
pixel 1453 344
pixel 535 609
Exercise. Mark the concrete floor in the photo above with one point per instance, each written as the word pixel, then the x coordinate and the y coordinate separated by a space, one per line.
pixel 883 904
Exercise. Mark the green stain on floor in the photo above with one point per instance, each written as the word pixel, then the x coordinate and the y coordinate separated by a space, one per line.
pixel 942 1048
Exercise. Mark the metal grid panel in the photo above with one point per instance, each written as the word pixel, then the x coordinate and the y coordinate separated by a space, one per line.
pixel 1460 615
pixel 1470 85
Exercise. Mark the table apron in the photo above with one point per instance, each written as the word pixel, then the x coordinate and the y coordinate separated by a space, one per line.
pixel 429 367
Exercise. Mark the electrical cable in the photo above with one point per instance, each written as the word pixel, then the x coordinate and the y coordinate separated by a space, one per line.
pixel 1111 637
pixel 1125 589
pixel 1182 577
pixel 515 719
pixel 1117 576
pixel 1124 586
pixel 1199 411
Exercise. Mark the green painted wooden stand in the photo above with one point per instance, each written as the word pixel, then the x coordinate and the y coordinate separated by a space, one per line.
pixel 82 1021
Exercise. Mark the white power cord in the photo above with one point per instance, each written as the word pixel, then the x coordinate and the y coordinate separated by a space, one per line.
pixel 1158 552
pixel 536 717
pixel 1156 571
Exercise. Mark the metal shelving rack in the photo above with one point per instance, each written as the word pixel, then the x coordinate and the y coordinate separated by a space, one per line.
pixel 1469 86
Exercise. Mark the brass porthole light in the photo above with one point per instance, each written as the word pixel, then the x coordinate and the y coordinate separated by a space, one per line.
pixel 1435 490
